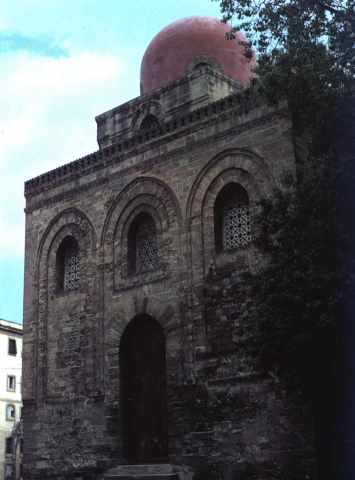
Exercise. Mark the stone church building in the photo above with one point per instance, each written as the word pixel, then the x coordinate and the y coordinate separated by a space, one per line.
pixel 138 359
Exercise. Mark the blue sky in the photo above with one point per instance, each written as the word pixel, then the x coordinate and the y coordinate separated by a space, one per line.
pixel 62 62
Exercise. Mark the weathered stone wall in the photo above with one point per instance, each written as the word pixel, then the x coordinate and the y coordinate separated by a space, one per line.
pixel 202 86
pixel 223 410
pixel 250 423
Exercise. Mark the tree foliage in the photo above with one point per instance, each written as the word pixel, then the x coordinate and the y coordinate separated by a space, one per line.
pixel 306 56
pixel 305 50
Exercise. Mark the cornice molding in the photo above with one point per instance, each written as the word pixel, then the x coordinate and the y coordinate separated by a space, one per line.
pixel 233 105
pixel 75 191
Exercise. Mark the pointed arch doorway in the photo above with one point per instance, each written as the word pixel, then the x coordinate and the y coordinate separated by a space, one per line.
pixel 143 391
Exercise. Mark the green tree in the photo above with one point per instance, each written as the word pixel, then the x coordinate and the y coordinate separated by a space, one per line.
pixel 306 57
pixel 305 51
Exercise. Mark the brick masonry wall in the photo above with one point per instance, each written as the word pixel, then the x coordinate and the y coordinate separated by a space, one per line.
pixel 225 415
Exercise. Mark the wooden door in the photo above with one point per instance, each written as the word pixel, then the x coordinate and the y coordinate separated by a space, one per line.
pixel 143 391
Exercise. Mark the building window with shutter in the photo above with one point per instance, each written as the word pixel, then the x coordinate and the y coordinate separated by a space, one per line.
pixel 12 347
pixel 11 383
pixel 8 446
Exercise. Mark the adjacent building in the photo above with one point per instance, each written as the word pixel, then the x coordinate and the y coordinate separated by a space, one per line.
pixel 10 391
pixel 13 467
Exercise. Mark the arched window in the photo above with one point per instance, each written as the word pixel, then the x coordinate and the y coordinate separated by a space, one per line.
pixel 10 412
pixel 232 218
pixel 142 245
pixel 68 265
pixel 149 122
pixel 200 66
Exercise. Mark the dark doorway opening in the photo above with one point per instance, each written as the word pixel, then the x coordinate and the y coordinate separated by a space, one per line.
pixel 143 391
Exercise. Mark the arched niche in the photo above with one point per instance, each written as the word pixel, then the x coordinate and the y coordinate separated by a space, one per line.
pixel 71 228
pixel 143 196
pixel 236 166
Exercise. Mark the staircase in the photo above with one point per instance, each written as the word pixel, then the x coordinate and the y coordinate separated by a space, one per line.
pixel 159 471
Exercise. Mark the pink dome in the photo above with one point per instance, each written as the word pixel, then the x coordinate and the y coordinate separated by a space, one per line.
pixel 173 49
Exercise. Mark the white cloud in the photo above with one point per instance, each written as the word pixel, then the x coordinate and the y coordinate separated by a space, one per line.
pixel 62 76
pixel 47 119
pixel 34 88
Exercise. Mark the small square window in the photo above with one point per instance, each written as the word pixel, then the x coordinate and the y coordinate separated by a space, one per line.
pixel 10 412
pixel 11 383
pixel 12 349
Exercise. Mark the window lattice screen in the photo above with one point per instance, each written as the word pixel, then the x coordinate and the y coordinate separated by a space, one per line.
pixel 71 270
pixel 236 228
pixel 146 247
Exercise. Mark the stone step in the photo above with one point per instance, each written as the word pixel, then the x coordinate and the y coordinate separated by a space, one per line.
pixel 159 471
pixel 141 469
pixel 155 476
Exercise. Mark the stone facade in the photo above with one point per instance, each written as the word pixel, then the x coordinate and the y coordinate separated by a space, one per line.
pixel 226 418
